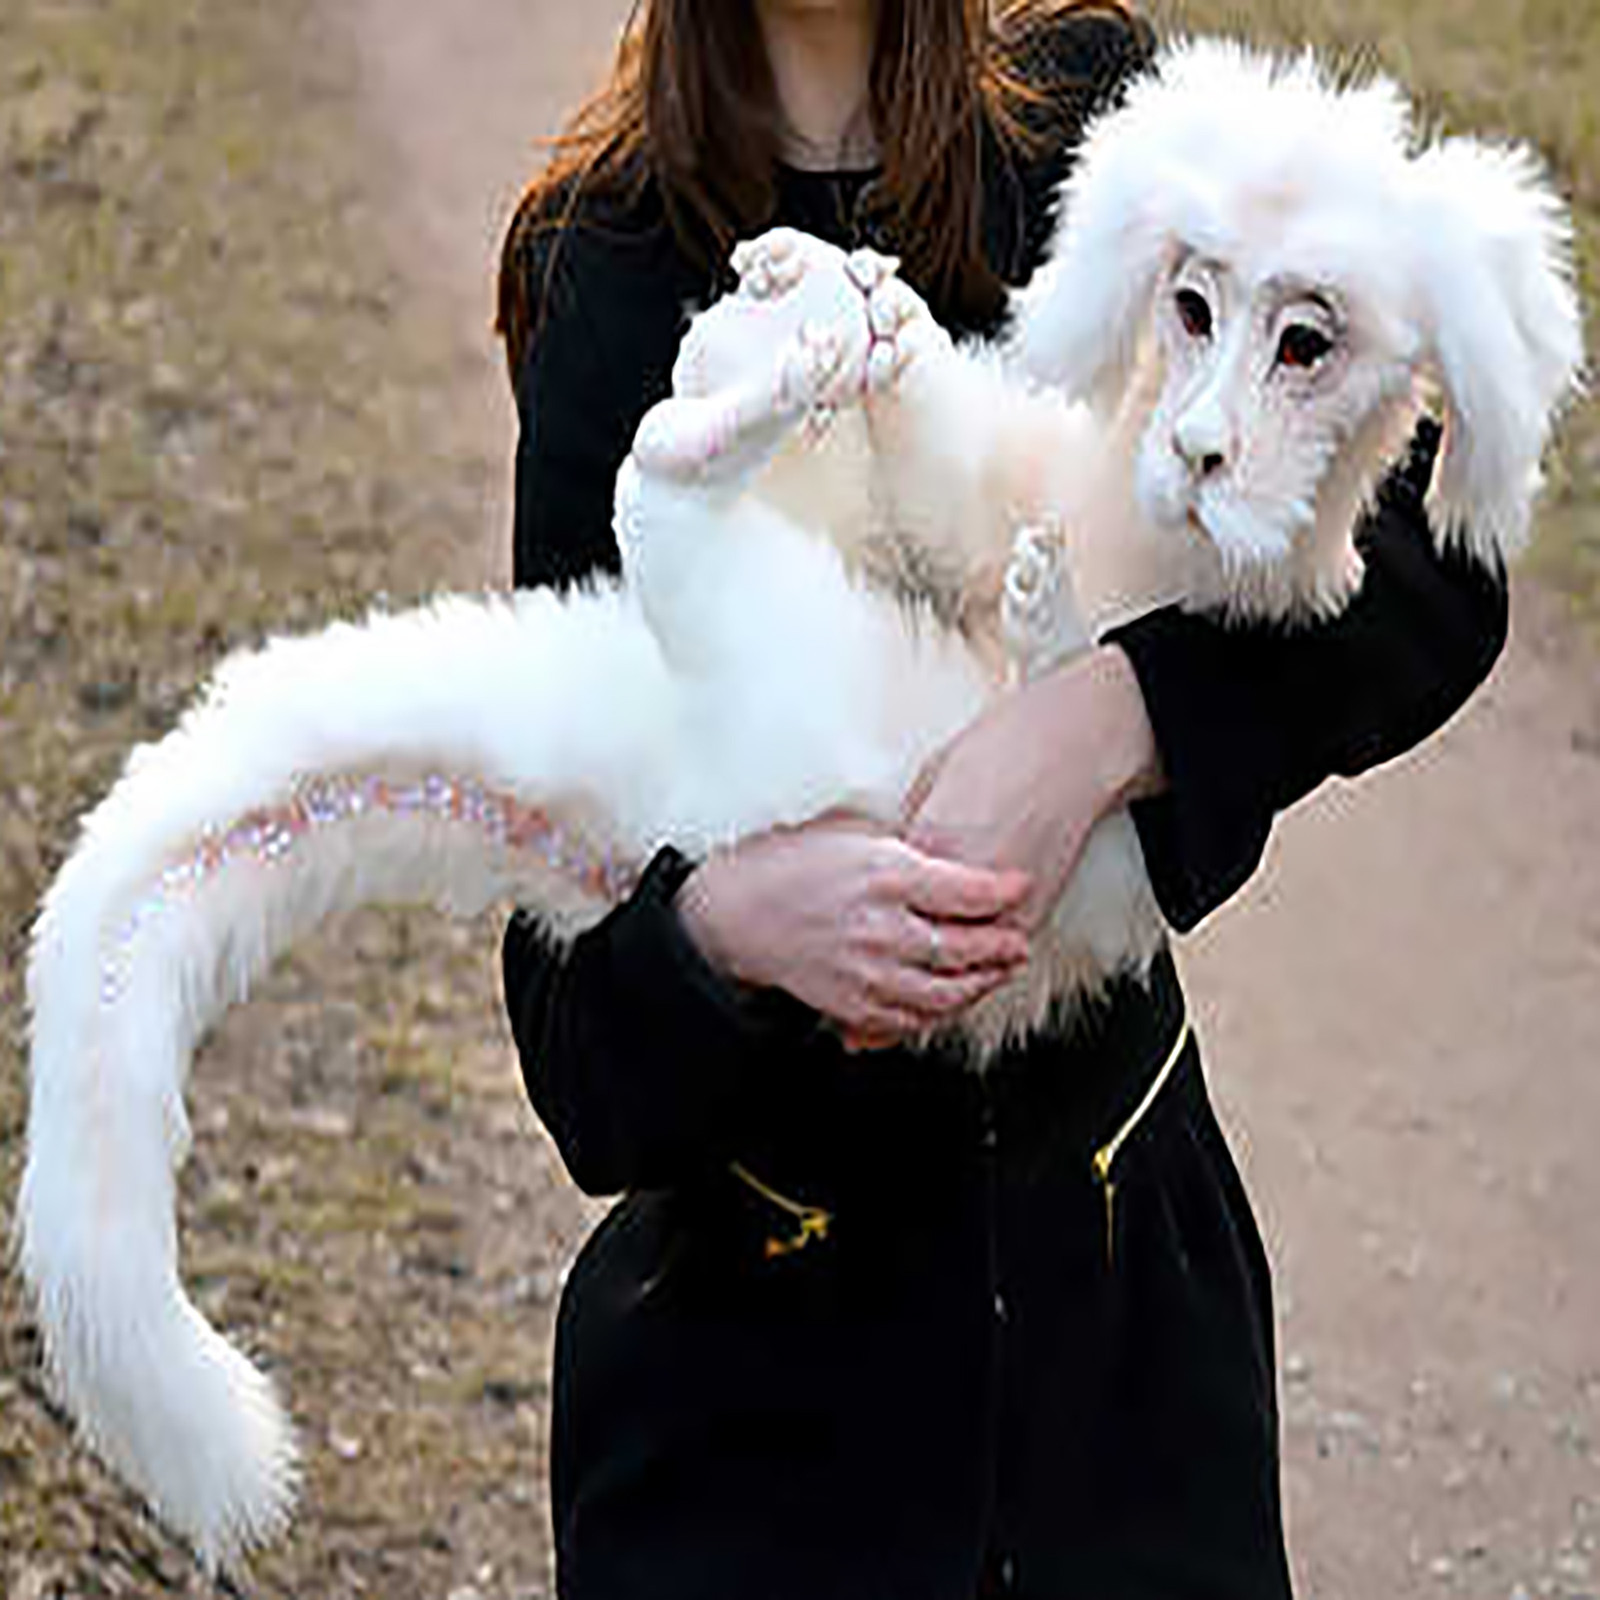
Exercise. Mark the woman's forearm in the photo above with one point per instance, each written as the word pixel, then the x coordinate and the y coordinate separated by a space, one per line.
pixel 1114 733
pixel 1024 784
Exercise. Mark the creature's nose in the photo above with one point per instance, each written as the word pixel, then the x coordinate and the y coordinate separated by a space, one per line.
pixel 1199 439
pixel 1203 458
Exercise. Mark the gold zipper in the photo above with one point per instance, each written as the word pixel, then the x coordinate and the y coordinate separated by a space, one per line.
pixel 812 1222
pixel 1105 1157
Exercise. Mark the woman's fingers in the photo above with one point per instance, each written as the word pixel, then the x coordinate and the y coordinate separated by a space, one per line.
pixel 945 890
pixel 913 1000
pixel 886 941
pixel 904 1003
pixel 950 947
pixel 921 786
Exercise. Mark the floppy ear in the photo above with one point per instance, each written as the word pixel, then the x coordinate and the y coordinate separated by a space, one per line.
pixel 1078 325
pixel 1151 178
pixel 1504 333
pixel 1133 190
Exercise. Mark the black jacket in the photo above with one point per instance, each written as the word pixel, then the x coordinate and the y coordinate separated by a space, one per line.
pixel 984 1366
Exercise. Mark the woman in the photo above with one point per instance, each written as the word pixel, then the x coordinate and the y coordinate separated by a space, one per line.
pixel 868 1324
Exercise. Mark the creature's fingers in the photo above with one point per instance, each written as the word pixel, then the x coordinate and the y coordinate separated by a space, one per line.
pixel 885 363
pixel 901 328
pixel 867 269
pixel 891 307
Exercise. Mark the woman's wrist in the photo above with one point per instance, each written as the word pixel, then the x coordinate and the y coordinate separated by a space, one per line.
pixel 696 903
pixel 1129 765
pixel 1090 713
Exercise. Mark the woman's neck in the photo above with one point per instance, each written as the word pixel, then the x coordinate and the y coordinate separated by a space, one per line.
pixel 820 52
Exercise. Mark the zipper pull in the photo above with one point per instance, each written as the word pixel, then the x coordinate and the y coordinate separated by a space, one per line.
pixel 813 1226
pixel 1102 1172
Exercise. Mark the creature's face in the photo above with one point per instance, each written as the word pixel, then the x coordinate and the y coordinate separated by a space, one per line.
pixel 1298 254
pixel 1267 379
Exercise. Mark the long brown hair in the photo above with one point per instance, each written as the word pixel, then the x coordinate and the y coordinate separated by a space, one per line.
pixel 691 105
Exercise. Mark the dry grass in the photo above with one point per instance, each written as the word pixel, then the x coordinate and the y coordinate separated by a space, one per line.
pixel 215 420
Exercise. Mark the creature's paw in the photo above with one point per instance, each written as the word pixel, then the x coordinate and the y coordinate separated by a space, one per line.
pixel 899 323
pixel 814 375
pixel 772 265
pixel 1038 606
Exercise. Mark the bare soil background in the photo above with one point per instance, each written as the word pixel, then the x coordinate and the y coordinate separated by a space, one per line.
pixel 246 381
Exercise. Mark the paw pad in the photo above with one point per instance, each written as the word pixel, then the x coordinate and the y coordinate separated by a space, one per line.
pixel 1032 572
pixel 769 266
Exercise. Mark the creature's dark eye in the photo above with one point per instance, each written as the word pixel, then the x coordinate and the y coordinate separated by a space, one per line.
pixel 1194 313
pixel 1302 345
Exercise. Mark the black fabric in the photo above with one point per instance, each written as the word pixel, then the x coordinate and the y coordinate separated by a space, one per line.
pixel 1250 719
pixel 855 1418
pixel 636 1054
pixel 980 1365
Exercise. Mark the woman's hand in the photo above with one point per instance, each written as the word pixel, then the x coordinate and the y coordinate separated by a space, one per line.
pixel 886 940
pixel 1023 785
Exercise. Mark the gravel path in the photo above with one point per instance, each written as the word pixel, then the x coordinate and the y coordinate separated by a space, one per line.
pixel 1402 1019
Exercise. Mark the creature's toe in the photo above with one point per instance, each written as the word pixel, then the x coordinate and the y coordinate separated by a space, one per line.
pixel 1039 616
pixel 1026 578
pixel 1034 575
pixel 867 269
pixel 902 328
pixel 1038 546
pixel 771 265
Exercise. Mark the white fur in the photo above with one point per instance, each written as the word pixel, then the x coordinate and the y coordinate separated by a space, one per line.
pixel 1447 265
pixel 840 536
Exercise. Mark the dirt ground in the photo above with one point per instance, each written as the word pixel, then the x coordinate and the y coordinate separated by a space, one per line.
pixel 1401 1017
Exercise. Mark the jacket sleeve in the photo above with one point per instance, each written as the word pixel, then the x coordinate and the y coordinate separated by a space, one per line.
pixel 1249 719
pixel 635 1053
pixel 632 1047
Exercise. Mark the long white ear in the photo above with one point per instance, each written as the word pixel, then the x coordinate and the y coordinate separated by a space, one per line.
pixel 1078 324
pixel 1495 281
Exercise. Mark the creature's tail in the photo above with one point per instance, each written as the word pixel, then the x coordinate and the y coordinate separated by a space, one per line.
pixel 439 756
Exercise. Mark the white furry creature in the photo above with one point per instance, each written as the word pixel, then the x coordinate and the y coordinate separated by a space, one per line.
pixel 840 536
